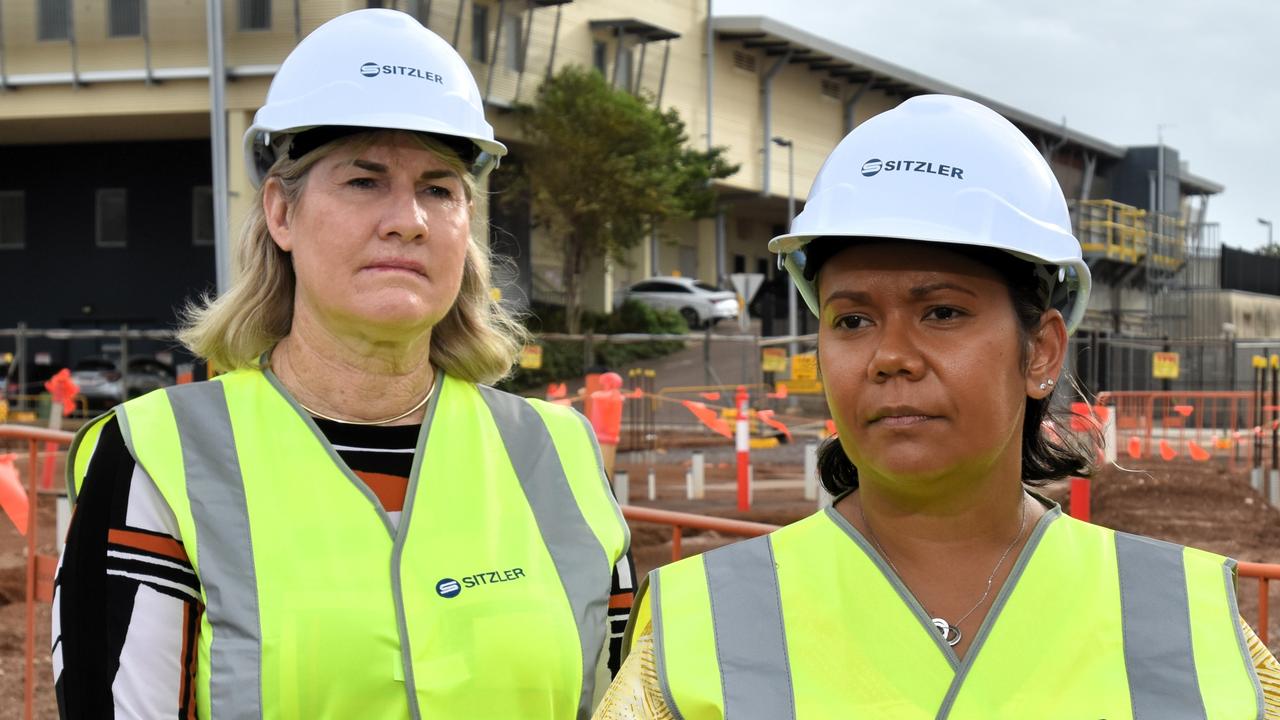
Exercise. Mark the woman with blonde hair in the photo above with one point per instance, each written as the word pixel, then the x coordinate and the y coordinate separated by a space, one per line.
pixel 348 522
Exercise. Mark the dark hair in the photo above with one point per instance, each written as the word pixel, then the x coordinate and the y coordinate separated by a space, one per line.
pixel 1045 457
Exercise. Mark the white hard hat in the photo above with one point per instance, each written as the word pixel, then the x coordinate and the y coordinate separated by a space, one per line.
pixel 943 169
pixel 372 69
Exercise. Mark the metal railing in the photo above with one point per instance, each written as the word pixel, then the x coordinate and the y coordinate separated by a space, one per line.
pixel 1265 573
pixel 40 568
pixel 680 520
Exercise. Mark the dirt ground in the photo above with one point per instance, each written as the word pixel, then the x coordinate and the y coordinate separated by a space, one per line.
pixel 1202 505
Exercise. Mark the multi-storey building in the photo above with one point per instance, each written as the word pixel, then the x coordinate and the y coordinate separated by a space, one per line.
pixel 106 211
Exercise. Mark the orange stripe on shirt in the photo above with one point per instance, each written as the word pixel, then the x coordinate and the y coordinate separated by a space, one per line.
pixel 390 489
pixel 165 546
pixel 621 600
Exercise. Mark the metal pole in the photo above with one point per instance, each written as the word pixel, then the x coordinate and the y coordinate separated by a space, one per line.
pixel 792 318
pixel 4 82
pixel 297 22
pixel 457 22
pixel 662 81
pixel 711 71
pixel 766 109
pixel 497 47
pixel 635 86
pixel 20 344
pixel 124 361
pixel 146 39
pixel 555 39
pixel 218 139
pixel 524 49
pixel 71 38
pixel 425 7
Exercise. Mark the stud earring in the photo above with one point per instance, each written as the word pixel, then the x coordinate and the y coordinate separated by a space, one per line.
pixel 1043 386
pixel 1049 382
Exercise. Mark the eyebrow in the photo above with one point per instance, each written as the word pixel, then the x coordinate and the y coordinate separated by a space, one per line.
pixel 381 169
pixel 916 293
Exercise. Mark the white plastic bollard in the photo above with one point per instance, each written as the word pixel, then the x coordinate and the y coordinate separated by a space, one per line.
pixel 622 487
pixel 1275 487
pixel 811 471
pixel 688 485
pixel 698 470
pixel 653 485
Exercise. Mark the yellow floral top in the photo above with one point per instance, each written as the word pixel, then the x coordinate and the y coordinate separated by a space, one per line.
pixel 635 694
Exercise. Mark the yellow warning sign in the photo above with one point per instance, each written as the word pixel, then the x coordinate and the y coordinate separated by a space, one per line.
pixel 531 357
pixel 803 367
pixel 1164 365
pixel 773 360
pixel 805 387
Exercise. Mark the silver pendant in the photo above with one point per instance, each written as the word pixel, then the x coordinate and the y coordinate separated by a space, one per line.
pixel 950 633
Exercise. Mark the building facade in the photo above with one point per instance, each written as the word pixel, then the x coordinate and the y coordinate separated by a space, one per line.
pixel 105 173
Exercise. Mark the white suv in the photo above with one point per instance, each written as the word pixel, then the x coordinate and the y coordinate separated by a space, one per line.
pixel 698 302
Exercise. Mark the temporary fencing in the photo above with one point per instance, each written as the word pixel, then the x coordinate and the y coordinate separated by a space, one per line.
pixel 1201 425
pixel 1264 573
pixel 40 568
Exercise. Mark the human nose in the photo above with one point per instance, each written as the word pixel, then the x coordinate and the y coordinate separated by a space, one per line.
pixel 896 354
pixel 404 216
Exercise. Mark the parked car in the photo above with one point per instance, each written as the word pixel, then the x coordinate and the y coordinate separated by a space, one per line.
pixel 699 303
pixel 103 385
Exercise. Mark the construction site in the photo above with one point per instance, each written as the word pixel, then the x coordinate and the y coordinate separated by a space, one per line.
pixel 715 431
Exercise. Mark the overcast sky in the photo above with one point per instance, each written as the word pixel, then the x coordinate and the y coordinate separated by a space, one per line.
pixel 1209 70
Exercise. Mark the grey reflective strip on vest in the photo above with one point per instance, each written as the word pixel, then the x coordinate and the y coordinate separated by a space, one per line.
pixel 216 492
pixel 1158 655
pixel 751 643
pixel 1229 576
pixel 578 556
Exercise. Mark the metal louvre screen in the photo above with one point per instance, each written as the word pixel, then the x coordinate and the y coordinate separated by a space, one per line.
pixel 1251 272
pixel 255 14
pixel 124 18
pixel 54 19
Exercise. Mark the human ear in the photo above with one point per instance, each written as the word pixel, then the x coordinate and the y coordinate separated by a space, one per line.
pixel 1046 354
pixel 276 209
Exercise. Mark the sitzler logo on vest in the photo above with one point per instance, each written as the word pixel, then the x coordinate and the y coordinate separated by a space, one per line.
pixel 450 588
pixel 874 166
pixel 373 69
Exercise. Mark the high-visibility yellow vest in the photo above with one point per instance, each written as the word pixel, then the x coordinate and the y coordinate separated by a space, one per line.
pixel 488 601
pixel 809 622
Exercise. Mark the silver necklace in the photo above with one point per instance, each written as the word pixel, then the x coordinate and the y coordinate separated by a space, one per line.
pixel 950 633
pixel 401 416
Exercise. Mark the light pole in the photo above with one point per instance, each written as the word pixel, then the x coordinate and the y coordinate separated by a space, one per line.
pixel 792 320
pixel 1264 221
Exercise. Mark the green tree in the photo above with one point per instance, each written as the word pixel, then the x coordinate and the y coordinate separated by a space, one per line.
pixel 604 168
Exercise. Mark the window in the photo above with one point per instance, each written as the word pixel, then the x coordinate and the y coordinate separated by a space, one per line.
pixel 831 89
pixel 13 220
pixel 255 14
pixel 54 19
pixel 202 216
pixel 124 18
pixel 110 217
pixel 739 263
pixel 513 42
pixel 599 55
pixel 762 266
pixel 744 60
pixel 480 33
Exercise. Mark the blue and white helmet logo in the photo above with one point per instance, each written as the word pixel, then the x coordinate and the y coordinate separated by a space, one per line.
pixel 448 588
pixel 871 167
pixel 370 69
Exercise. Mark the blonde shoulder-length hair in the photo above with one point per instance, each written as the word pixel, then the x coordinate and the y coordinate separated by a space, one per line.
pixel 478 340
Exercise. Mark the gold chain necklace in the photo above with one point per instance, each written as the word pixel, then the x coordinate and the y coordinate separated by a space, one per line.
pixel 950 633
pixel 401 416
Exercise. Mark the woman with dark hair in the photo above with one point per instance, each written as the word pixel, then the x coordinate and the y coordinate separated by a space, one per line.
pixel 939 584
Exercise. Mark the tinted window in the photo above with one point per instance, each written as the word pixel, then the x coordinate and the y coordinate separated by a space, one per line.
pixel 705 286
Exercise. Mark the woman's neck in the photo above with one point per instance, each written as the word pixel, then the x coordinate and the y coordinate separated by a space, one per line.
pixel 354 378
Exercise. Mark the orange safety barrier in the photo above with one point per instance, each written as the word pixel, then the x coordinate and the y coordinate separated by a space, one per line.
pixel 40 568
pixel 1264 572
pixel 1199 424
pixel 680 520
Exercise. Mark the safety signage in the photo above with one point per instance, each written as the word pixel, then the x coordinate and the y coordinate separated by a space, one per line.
pixel 773 360
pixel 531 357
pixel 804 367
pixel 1164 365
